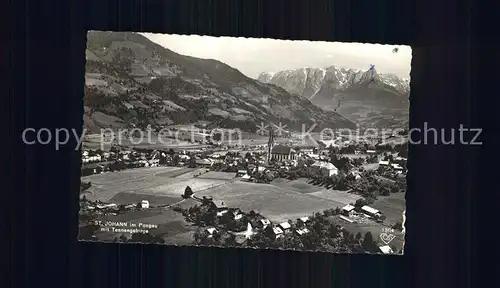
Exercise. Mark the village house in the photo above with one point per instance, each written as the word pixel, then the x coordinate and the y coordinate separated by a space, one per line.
pixel 277 232
pixel 264 223
pixel 144 204
pixel 400 160
pixel 397 167
pixel 89 169
pixel 211 232
pixel 222 212
pixel 302 231
pixel 306 150
pixel 285 226
pixel 283 153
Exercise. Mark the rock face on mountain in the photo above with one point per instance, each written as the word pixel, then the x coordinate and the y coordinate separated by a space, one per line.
pixel 132 81
pixel 366 97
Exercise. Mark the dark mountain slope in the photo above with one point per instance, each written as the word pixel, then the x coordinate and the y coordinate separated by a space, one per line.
pixel 132 81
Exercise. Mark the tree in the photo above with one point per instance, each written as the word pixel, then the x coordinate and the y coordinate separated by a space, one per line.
pixel 359 237
pixel 192 163
pixel 188 192
pixel 230 241
pixel 369 244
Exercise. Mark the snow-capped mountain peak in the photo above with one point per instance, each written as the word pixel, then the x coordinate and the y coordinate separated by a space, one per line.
pixel 308 81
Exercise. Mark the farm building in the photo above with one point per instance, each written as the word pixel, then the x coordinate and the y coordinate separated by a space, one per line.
pixel 277 231
pixel 221 213
pixel 370 211
pixel 211 232
pixel 346 219
pixel 348 210
pixel 397 166
pixel 306 150
pixel 203 162
pixel 384 163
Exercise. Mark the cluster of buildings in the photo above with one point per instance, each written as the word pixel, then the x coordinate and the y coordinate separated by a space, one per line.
pixel 397 164
pixel 110 209
pixel 260 225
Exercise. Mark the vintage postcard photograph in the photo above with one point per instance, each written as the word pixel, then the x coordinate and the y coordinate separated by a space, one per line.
pixel 244 142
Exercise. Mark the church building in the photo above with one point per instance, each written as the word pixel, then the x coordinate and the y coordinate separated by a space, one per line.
pixel 279 152
pixel 283 153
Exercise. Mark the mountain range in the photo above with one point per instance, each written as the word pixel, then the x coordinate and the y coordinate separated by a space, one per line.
pixel 365 97
pixel 131 81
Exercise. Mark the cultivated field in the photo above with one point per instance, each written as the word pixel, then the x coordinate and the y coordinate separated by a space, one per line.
pixel 374 228
pixel 157 181
pixel 301 185
pixel 218 175
pixel 171 225
pixel 298 185
pixel 391 206
pixel 126 198
pixel 342 197
pixel 276 203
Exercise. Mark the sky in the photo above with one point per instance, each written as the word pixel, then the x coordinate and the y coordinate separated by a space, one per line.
pixel 252 56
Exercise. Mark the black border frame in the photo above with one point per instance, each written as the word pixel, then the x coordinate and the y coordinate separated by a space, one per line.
pixel 45 61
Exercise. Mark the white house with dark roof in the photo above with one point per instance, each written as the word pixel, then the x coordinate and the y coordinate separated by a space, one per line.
pixel 211 231
pixel 332 170
pixel 265 222
pixel 370 211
